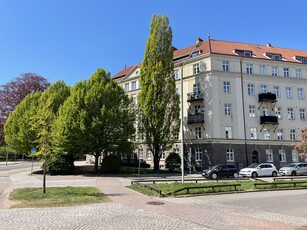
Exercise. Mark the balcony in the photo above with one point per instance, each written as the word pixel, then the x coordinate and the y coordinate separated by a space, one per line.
pixel 195 96
pixel 267 97
pixel 273 120
pixel 196 118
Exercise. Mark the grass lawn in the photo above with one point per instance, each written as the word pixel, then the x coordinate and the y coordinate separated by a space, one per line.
pixel 57 196
pixel 167 188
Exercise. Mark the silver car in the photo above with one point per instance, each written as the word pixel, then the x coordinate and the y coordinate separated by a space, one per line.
pixel 255 170
pixel 294 169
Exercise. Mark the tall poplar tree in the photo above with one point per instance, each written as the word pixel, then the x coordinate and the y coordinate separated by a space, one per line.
pixel 158 101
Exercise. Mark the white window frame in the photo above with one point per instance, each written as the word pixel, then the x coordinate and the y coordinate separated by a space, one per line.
pixel 291 114
pixel 298 73
pixel 269 155
pixel 225 66
pixel 196 68
pixel 133 85
pixel 274 71
pixel 252 110
pixel 302 113
pixel 226 86
pixel 198 154
pixel 253 132
pixel 282 155
pixel 249 68
pixel 228 132
pixel 266 134
pixel 280 134
pixel 300 94
pixel 198 132
pixel 294 154
pixel 251 89
pixel 276 90
pixel 289 93
pixel 263 88
pixel 278 112
pixel 292 133
pixel 230 155
pixel 261 69
pixel 227 109
pixel 126 87
pixel 286 72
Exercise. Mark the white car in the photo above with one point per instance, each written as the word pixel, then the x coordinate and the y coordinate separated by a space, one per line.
pixel 256 170
pixel 294 169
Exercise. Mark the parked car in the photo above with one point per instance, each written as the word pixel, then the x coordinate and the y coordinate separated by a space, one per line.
pixel 221 170
pixel 255 170
pixel 294 169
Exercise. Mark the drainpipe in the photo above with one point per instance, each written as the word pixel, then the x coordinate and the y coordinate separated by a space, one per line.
pixel 244 119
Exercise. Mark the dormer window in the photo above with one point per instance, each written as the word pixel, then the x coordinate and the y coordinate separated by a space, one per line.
pixel 301 59
pixel 244 53
pixel 273 56
pixel 195 54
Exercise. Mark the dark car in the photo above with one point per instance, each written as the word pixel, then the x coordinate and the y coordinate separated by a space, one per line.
pixel 221 170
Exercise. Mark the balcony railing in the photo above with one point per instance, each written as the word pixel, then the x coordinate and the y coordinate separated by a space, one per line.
pixel 267 97
pixel 197 96
pixel 269 120
pixel 196 118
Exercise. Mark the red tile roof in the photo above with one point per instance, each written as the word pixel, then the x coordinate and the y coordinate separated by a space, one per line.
pixel 227 48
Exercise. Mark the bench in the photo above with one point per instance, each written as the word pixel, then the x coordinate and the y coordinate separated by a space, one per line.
pixel 188 188
pixel 294 183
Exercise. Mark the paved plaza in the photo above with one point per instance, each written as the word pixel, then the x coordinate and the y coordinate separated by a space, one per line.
pixel 132 210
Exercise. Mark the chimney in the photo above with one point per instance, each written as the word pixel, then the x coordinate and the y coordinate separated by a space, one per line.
pixel 197 40
pixel 269 45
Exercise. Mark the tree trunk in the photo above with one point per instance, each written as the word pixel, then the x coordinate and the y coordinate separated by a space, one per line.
pixel 156 159
pixel 96 162
pixel 44 176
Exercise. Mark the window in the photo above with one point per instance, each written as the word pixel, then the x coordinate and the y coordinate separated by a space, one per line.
pixel 280 134
pixel 196 88
pixel 126 87
pixel 269 155
pixel 245 53
pixel 249 68
pixel 278 112
pixel 300 93
pixel 134 101
pixel 298 73
pixel 226 87
pixel 292 134
pixel 230 156
pixel 286 72
pixel 301 59
pixel 263 88
pixel 198 109
pixel 252 111
pixel 274 56
pixel 198 132
pixel 227 109
pixel 253 133
pixel 302 114
pixel 177 91
pixel 265 111
pixel 282 155
pixel 176 73
pixel 225 66
pixel 290 114
pixel 196 68
pixel 266 134
pixel 250 89
pixel 198 154
pixel 228 132
pixel 294 154
pixel 289 92
pixel 162 155
pixel 276 90
pixel 133 85
pixel 149 154
pixel 274 71
pixel 262 70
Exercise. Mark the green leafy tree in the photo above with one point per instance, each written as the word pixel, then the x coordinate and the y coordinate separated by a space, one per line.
pixel 158 101
pixel 18 130
pixel 97 118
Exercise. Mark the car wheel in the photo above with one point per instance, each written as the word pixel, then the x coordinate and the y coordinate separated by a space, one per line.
pixel 294 173
pixel 213 176
pixel 254 175
pixel 235 175
pixel 274 174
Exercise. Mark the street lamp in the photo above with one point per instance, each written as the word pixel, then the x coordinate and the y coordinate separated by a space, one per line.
pixel 181 109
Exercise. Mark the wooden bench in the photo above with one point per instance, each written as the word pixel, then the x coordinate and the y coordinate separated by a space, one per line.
pixel 294 183
pixel 188 188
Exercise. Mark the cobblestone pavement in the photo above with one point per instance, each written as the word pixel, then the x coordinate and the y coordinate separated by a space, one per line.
pixel 132 210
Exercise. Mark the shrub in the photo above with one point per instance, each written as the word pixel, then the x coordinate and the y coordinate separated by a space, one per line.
pixel 173 161
pixel 60 164
pixel 111 164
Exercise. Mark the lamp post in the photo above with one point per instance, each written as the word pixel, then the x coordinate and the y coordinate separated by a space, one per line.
pixel 181 109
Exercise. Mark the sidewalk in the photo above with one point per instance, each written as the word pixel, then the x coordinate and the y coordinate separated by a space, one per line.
pixel 114 188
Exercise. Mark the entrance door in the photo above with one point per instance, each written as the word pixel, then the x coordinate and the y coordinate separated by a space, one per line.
pixel 254 156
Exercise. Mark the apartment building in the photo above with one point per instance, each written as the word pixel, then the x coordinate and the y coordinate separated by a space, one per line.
pixel 243 103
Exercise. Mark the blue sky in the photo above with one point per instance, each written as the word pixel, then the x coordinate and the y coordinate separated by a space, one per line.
pixel 69 39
